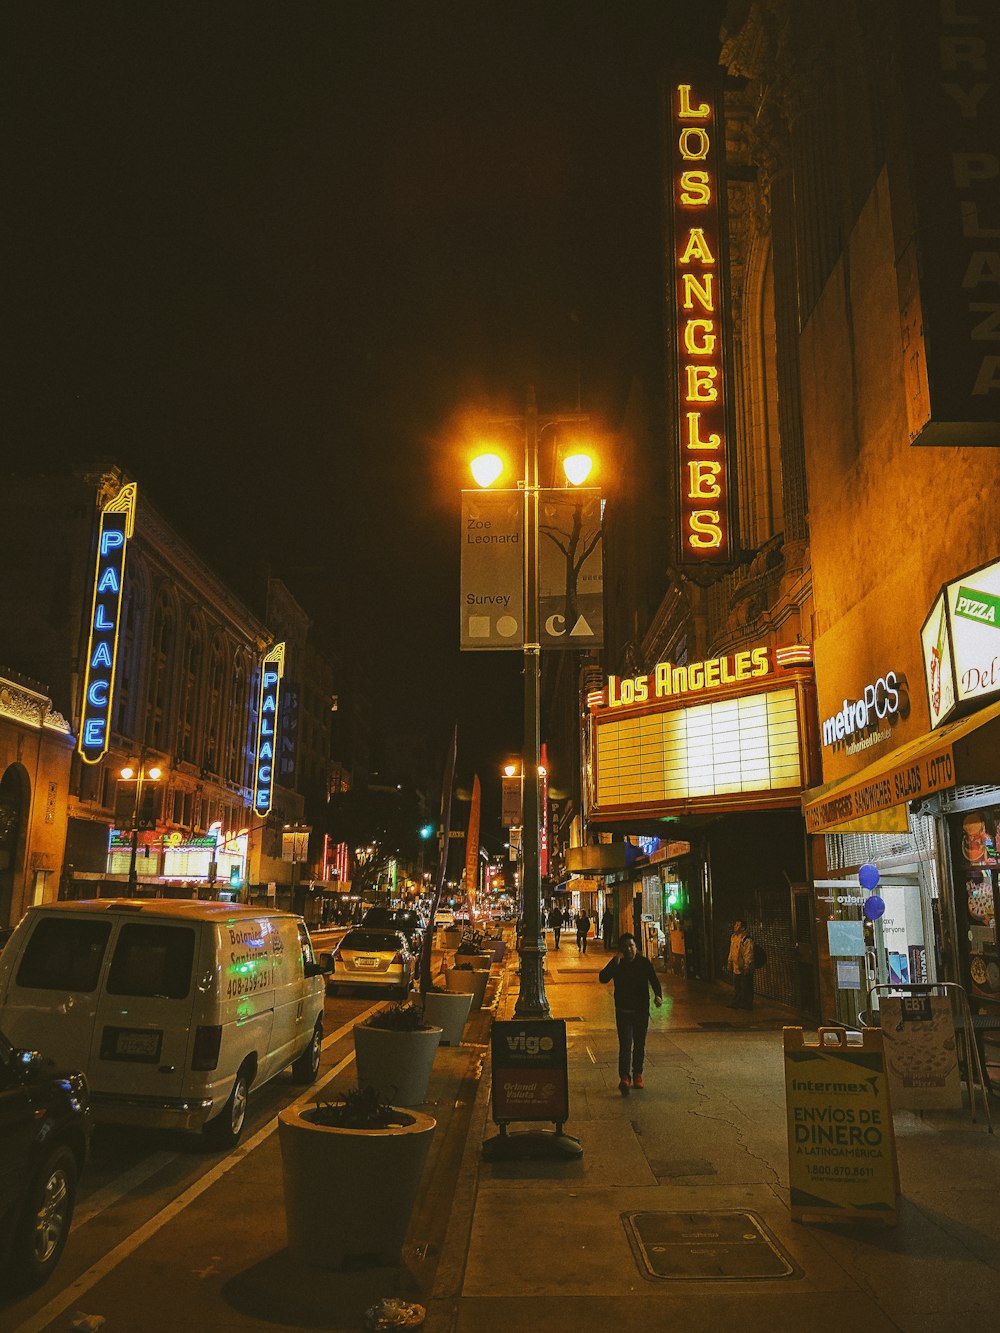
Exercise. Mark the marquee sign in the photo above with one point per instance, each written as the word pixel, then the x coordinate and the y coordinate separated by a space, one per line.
pixel 271 671
pixel 116 526
pixel 698 355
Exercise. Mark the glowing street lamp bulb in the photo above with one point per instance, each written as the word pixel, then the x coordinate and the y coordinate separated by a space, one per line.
pixel 154 773
pixel 509 770
pixel 577 468
pixel 541 770
pixel 128 773
pixel 486 468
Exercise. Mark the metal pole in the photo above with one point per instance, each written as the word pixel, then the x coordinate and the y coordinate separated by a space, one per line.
pixel 531 1000
pixel 133 879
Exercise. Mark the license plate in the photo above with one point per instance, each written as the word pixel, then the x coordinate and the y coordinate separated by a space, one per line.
pixel 131 1044
pixel 366 962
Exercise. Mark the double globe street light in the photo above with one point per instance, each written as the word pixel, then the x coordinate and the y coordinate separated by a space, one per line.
pixel 487 468
pixel 139 774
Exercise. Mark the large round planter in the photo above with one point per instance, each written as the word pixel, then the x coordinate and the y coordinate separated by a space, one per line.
pixel 350 1191
pixel 477 960
pixel 473 983
pixel 397 1064
pixel 499 949
pixel 451 938
pixel 449 1011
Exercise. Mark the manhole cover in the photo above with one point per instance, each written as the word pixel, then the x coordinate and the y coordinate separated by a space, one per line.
pixel 705 1247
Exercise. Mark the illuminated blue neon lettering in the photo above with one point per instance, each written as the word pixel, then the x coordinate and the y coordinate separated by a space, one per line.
pixel 268 705
pixel 109 579
pixel 110 539
pixel 266 727
pixel 264 773
pixel 97 694
pixel 267 750
pixel 93 733
pixel 262 798
pixel 101 620
pixel 270 677
pixel 102 656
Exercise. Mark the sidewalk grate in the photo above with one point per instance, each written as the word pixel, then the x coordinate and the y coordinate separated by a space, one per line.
pixel 706 1247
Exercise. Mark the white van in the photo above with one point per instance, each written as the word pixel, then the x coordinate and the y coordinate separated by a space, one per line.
pixel 173 1009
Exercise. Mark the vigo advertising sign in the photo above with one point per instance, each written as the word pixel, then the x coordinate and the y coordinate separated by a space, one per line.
pixel 698 353
pixel 116 526
pixel 530 1080
pixel 272 668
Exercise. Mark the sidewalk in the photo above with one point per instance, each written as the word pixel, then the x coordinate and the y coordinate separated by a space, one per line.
pixel 543 1245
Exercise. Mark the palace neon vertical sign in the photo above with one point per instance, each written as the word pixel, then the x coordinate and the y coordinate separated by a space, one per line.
pixel 116 526
pixel 271 671
pixel 698 356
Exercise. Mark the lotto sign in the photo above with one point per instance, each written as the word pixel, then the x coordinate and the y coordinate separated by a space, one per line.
pixel 841 1147
pixel 117 521
pixel 530 1081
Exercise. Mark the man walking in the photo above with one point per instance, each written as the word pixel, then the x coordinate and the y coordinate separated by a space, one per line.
pixel 740 963
pixel 608 927
pixel 632 976
pixel 556 921
pixel 582 930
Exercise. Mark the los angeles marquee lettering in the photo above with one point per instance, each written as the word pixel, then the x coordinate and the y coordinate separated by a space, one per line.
pixel 667 680
pixel 704 484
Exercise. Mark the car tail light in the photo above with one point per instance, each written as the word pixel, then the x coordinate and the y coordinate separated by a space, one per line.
pixel 207 1042
pixel 396 958
pixel 338 957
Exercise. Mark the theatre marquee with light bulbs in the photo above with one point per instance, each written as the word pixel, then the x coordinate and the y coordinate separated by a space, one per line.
pixel 731 733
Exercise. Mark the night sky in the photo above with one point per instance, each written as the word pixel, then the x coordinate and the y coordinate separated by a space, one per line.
pixel 269 256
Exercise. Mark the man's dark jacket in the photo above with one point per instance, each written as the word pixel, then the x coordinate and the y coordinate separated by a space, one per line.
pixel 632 982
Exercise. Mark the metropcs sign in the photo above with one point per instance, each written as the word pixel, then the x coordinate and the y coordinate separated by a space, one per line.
pixel 698 355
pixel 879 702
pixel 116 527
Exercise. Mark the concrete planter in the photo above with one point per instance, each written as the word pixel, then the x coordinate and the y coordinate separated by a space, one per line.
pixel 350 1191
pixel 451 938
pixel 449 1011
pixel 471 983
pixel 397 1064
pixel 499 950
pixel 477 960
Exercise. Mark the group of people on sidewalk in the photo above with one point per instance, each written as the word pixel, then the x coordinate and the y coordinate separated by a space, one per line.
pixel 558 919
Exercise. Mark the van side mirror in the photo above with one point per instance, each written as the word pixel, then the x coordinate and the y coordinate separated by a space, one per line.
pixel 326 964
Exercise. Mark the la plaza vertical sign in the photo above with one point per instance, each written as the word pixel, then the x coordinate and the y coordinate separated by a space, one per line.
pixel 699 358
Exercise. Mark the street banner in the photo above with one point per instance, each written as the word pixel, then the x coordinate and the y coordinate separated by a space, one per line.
pixel 510 802
pixel 492 570
pixel 921 1053
pixel 530 1081
pixel 841 1146
pixel 570 569
pixel 543 827
pixel 472 848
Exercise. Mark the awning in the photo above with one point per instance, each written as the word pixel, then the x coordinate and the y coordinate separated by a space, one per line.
pixel 957 752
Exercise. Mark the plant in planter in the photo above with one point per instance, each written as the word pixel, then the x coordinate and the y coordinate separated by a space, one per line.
pixel 395 1049
pixel 374 1151
pixel 470 978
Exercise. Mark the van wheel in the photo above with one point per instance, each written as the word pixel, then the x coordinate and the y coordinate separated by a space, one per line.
pixel 45 1219
pixel 306 1067
pixel 226 1128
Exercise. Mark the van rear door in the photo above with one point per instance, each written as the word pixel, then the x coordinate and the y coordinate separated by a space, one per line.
pixel 51 1000
pixel 143 1027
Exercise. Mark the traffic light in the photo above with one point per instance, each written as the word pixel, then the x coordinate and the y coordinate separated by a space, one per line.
pixel 427 831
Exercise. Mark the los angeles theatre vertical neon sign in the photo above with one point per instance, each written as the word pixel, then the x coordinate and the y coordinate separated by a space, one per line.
pixel 116 526
pixel 272 668
pixel 699 361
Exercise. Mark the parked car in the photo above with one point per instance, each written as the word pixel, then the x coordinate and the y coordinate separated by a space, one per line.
pixel 370 959
pixel 5 934
pixel 174 1009
pixel 394 918
pixel 44 1138
pixel 443 918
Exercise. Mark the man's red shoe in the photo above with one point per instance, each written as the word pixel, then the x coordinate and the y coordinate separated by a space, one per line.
pixel 623 1086
pixel 637 1081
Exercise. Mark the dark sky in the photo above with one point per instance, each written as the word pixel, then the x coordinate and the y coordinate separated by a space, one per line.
pixel 268 256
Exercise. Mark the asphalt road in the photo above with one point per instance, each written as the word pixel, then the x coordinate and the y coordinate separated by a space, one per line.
pixel 162 1185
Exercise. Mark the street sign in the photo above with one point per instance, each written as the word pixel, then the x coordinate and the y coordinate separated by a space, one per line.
pixel 510 802
pixel 492 577
pixel 570 569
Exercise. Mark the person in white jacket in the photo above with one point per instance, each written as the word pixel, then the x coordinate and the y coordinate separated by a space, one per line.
pixel 740 963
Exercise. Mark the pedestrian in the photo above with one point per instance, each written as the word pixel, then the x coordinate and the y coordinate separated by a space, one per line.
pixel 740 963
pixel 608 928
pixel 582 930
pixel 633 975
pixel 556 922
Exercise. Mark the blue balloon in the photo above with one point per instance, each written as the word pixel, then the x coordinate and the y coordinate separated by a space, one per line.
pixel 873 908
pixel 868 876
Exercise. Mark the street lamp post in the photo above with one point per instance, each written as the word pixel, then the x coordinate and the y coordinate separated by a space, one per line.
pixel 139 774
pixel 532 1001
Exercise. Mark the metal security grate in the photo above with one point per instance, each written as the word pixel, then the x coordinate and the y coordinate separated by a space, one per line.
pixel 706 1247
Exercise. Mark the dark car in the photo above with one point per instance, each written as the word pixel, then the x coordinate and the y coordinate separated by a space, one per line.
pixel 393 918
pixel 44 1139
